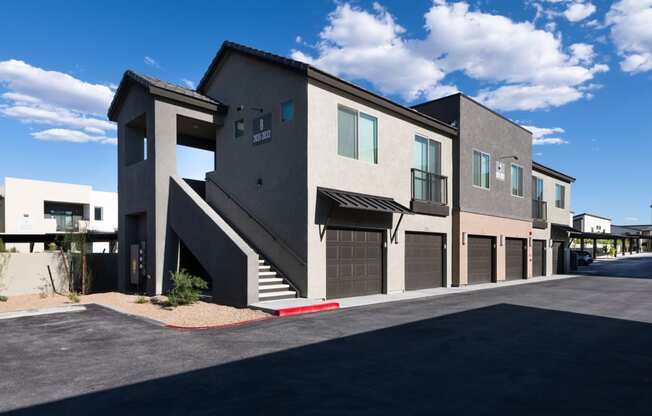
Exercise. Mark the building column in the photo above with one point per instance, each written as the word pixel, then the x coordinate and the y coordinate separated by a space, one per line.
pixel 595 248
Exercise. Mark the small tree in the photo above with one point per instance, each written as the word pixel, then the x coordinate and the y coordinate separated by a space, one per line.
pixel 76 264
pixel 186 288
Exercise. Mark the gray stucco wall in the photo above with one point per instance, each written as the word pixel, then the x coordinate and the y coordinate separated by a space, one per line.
pixel 481 129
pixel 268 180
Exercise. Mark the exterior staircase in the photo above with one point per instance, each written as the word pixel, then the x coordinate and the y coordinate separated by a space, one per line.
pixel 272 286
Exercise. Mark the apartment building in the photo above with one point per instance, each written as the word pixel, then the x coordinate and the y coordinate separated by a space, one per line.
pixel 42 207
pixel 501 197
pixel 321 189
pixel 591 223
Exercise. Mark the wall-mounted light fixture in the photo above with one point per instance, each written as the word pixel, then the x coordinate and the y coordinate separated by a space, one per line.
pixel 508 157
pixel 259 183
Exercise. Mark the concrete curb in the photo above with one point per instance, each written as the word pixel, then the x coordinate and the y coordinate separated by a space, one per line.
pixel 44 311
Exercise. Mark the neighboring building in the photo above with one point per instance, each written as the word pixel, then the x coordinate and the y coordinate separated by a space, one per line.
pixel 494 205
pixel 40 207
pixel 640 235
pixel 591 223
pixel 321 189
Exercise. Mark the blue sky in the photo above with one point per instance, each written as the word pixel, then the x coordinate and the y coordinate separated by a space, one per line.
pixel 578 72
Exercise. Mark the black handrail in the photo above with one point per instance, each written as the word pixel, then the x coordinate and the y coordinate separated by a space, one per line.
pixel 539 209
pixel 271 234
pixel 429 187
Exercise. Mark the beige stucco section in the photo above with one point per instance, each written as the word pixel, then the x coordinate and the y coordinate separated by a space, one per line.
pixel 390 177
pixel 471 224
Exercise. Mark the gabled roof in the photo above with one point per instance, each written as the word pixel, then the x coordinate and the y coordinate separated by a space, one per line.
pixel 163 89
pixel 538 167
pixel 325 78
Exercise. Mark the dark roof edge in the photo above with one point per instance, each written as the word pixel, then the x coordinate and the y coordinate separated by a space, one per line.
pixel 328 79
pixel 159 90
pixel 359 92
pixel 591 215
pixel 551 172
pixel 461 94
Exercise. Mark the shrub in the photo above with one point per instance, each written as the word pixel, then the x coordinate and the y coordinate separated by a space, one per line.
pixel 141 299
pixel 52 247
pixel 186 288
pixel 3 298
pixel 73 297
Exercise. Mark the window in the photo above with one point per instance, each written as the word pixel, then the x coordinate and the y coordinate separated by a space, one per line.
pixel 517 180
pixel 537 188
pixel 480 169
pixel 287 111
pixel 99 213
pixel 427 161
pixel 238 128
pixel 560 196
pixel 357 135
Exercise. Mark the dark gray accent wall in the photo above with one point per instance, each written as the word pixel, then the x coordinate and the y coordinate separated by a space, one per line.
pixel 2 215
pixel 482 129
pixel 270 179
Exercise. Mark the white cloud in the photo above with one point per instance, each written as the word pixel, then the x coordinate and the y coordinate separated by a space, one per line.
pixel 37 96
pixel 579 10
pixel 370 45
pixel 631 219
pixel 541 135
pixel 151 62
pixel 188 83
pixel 631 32
pixel 74 136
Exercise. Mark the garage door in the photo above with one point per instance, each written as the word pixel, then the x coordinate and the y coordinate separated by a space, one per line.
pixel 480 259
pixel 538 258
pixel 558 257
pixel 515 266
pixel 424 261
pixel 354 263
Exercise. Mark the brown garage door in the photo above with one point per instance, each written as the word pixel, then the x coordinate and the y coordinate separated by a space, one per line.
pixel 538 258
pixel 558 257
pixel 354 263
pixel 515 266
pixel 480 259
pixel 424 261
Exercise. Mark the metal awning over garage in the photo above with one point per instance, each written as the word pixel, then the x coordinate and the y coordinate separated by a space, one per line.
pixel 355 200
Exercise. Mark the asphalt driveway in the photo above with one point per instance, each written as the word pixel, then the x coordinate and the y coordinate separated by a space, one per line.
pixel 574 346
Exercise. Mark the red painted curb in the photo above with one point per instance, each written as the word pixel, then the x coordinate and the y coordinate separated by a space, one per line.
pixel 298 310
pixel 199 328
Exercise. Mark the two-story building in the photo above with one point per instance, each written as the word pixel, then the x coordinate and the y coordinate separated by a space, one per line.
pixel 321 189
pixel 499 204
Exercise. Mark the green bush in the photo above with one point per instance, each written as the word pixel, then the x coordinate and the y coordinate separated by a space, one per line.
pixel 52 247
pixel 3 298
pixel 141 299
pixel 73 297
pixel 186 288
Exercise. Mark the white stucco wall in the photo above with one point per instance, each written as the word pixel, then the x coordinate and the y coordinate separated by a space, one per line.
pixel 590 224
pixel 24 207
pixel 390 177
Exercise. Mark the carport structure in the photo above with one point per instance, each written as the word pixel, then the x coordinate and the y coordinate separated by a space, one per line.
pixel 628 242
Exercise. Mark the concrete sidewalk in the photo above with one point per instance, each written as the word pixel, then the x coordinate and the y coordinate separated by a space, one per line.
pixel 278 305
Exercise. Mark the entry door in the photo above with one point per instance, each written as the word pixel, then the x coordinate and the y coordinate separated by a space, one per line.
pixel 515 255
pixel 424 261
pixel 538 258
pixel 354 263
pixel 558 257
pixel 480 259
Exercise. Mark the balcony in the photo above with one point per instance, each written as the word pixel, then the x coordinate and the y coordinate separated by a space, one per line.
pixel 429 193
pixel 539 214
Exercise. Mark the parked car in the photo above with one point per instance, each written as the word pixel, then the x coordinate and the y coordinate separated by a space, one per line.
pixel 584 258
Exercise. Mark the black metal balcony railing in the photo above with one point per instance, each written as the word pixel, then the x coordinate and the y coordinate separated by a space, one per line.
pixel 539 210
pixel 429 187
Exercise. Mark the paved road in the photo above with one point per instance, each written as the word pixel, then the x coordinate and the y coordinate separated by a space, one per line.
pixel 566 347
pixel 635 266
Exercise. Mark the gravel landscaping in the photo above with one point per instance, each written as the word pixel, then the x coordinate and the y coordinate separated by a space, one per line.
pixel 200 314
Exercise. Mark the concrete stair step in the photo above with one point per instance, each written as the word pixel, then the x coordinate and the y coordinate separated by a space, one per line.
pixel 264 268
pixel 286 294
pixel 266 274
pixel 273 288
pixel 270 280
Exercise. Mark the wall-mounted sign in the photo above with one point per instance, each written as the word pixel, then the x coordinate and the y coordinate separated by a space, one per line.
pixel 262 129
pixel 500 170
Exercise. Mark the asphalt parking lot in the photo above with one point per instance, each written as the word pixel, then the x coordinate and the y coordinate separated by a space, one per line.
pixel 563 347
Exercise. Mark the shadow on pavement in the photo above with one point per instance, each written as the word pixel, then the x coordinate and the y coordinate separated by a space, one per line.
pixel 504 359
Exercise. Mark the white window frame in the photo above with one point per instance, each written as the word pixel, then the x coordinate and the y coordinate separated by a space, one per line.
pixel 511 185
pixel 488 188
